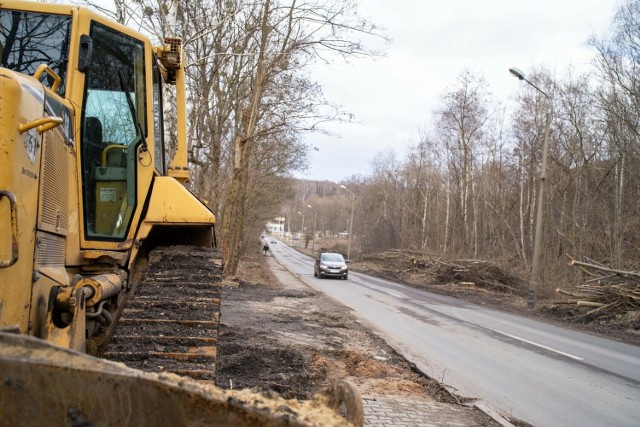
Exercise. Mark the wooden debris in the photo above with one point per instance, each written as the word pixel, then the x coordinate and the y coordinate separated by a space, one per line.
pixel 609 292
pixel 470 272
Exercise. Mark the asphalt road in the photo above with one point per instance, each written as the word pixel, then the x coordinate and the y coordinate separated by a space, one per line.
pixel 538 372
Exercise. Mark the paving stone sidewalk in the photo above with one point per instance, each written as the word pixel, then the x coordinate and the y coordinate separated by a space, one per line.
pixel 416 412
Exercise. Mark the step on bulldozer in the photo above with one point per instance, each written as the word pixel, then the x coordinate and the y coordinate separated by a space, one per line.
pixel 109 275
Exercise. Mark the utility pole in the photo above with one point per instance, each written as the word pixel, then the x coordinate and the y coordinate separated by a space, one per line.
pixel 537 243
pixel 301 228
pixel 313 237
pixel 353 203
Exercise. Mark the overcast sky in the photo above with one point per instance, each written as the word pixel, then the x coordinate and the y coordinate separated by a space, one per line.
pixel 433 41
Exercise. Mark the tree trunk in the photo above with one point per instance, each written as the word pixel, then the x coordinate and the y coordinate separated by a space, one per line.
pixel 234 213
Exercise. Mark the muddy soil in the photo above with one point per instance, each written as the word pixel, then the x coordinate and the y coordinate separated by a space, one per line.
pixel 291 339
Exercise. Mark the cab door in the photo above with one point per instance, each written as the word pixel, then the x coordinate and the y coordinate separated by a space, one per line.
pixel 114 131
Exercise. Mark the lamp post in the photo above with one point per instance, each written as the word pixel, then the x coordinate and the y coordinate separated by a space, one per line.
pixel 353 203
pixel 313 237
pixel 301 228
pixel 537 242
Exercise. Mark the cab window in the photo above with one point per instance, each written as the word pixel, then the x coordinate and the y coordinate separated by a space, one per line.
pixel 28 39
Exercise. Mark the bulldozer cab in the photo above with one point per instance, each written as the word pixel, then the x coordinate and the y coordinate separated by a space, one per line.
pixel 109 74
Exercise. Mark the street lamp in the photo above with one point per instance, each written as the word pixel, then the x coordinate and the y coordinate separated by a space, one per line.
pixel 537 243
pixel 353 203
pixel 313 237
pixel 301 228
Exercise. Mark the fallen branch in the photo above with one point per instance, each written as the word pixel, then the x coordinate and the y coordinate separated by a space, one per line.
pixel 607 306
pixel 590 304
pixel 571 294
pixel 601 268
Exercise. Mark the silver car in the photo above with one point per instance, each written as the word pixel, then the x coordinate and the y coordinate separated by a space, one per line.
pixel 330 264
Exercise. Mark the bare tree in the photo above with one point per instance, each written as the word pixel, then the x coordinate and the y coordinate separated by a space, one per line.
pixel 618 64
pixel 461 122
pixel 424 179
pixel 285 38
pixel 384 202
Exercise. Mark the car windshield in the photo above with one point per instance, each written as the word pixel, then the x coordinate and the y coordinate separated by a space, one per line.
pixel 332 257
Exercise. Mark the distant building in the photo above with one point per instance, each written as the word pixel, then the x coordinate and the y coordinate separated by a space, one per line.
pixel 276 225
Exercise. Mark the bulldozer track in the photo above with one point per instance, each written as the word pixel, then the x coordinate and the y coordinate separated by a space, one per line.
pixel 171 324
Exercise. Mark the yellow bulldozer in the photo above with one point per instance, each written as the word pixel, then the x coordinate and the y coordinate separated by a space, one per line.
pixel 104 253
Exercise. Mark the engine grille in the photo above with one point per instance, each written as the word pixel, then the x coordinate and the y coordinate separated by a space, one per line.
pixel 50 250
pixel 54 209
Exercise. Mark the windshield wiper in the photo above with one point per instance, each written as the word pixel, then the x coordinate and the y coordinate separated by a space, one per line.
pixel 132 110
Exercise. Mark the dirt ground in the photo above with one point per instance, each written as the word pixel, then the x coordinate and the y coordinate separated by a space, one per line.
pixel 291 339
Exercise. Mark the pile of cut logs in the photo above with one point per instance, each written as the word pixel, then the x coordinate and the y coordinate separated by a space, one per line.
pixel 606 291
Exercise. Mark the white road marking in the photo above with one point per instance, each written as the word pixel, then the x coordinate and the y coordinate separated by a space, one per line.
pixel 394 294
pixel 539 345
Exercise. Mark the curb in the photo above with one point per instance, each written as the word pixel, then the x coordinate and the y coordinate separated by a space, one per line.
pixel 492 414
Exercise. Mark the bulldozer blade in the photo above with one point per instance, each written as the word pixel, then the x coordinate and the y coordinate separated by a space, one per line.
pixel 42 384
